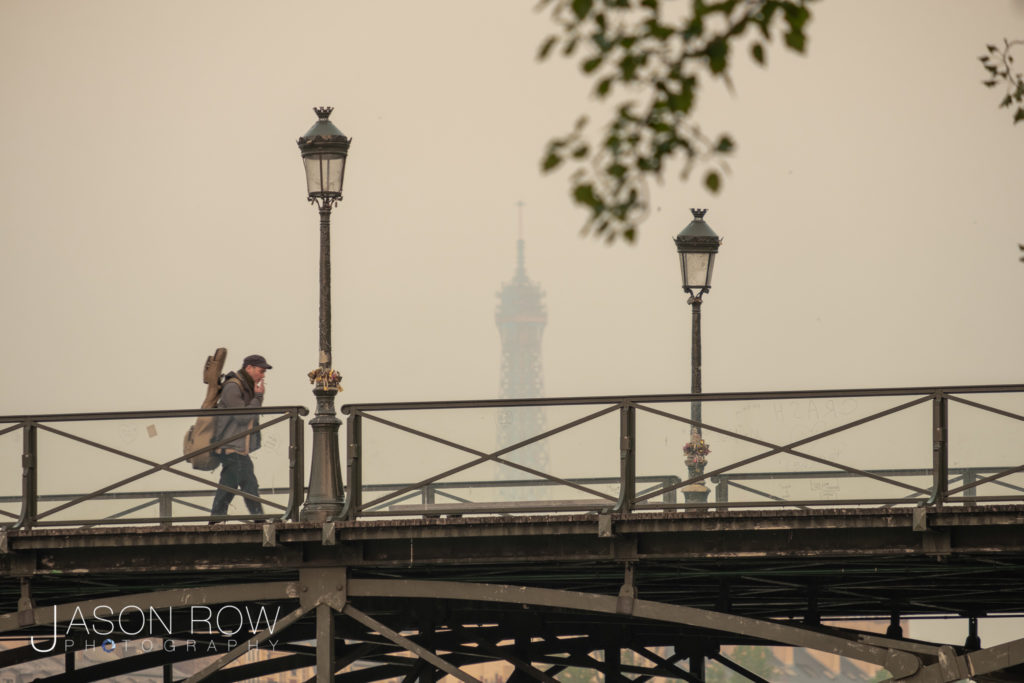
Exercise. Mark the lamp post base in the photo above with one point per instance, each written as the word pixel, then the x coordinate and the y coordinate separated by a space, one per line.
pixel 695 458
pixel 696 493
pixel 326 498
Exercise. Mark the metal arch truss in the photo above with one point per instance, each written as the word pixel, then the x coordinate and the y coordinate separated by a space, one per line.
pixel 428 637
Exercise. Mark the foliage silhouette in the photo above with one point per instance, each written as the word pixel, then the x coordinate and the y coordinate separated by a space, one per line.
pixel 648 60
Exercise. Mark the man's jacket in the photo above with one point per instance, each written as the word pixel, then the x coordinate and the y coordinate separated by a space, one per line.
pixel 239 392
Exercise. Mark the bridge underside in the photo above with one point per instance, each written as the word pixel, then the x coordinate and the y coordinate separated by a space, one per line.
pixel 630 595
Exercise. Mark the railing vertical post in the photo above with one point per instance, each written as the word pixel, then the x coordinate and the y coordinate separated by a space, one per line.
pixel 670 496
pixel 29 476
pixel 354 497
pixel 164 508
pixel 721 489
pixel 940 448
pixel 429 498
pixel 296 464
pixel 970 484
pixel 627 457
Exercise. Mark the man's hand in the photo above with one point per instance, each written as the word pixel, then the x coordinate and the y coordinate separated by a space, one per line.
pixel 260 388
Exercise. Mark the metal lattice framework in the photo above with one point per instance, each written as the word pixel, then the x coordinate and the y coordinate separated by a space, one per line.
pixel 521 317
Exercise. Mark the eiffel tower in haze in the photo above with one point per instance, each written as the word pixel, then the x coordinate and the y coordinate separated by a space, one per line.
pixel 521 318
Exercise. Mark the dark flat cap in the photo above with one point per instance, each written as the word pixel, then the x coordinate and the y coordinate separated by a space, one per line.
pixel 257 361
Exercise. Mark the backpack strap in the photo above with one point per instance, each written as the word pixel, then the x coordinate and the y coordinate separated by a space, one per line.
pixel 235 379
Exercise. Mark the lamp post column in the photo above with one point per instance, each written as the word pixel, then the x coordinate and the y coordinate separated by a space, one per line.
pixel 325 285
pixel 325 499
pixel 696 492
pixel 695 303
pixel 324 151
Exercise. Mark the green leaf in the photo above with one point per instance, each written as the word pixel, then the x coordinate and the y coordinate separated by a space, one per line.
pixel 582 7
pixel 712 181
pixel 757 52
pixel 1019 116
pixel 718 52
pixel 658 31
pixel 591 64
pixel 989 84
pixel 551 161
pixel 681 102
pixel 628 66
pixel 796 17
pixel 546 47
pixel 725 144
pixel 603 86
pixel 796 40
pixel 1006 102
pixel 570 46
pixel 580 151
pixel 584 194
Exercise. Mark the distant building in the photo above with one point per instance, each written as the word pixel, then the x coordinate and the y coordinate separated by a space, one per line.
pixel 521 318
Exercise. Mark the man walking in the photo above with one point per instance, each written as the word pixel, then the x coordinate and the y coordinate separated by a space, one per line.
pixel 242 389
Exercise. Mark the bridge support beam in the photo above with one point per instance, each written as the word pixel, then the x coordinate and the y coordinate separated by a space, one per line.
pixel 325 660
pixel 998 663
pixel 411 646
pixel 895 661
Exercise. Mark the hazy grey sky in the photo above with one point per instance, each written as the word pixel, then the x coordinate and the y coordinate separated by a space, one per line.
pixel 153 205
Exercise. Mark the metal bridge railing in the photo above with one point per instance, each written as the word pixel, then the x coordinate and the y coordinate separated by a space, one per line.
pixel 932 482
pixel 66 469
pixel 746 470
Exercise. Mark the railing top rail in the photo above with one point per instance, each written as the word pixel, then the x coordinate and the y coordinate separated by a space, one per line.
pixel 144 414
pixel 682 398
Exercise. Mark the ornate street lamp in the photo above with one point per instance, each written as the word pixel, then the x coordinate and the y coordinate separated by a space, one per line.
pixel 324 153
pixel 697 245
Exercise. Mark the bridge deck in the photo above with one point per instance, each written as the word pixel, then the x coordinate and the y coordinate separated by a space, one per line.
pixel 841 562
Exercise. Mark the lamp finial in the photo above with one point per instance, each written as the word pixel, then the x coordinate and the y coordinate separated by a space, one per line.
pixel 323 113
pixel 698 213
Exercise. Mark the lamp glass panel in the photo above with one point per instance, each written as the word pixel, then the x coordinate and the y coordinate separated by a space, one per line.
pixel 324 173
pixel 312 165
pixel 696 270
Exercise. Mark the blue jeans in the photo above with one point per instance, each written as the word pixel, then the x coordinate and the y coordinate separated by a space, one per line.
pixel 236 471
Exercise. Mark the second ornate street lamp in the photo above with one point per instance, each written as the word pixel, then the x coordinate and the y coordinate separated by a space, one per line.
pixel 324 153
pixel 697 245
